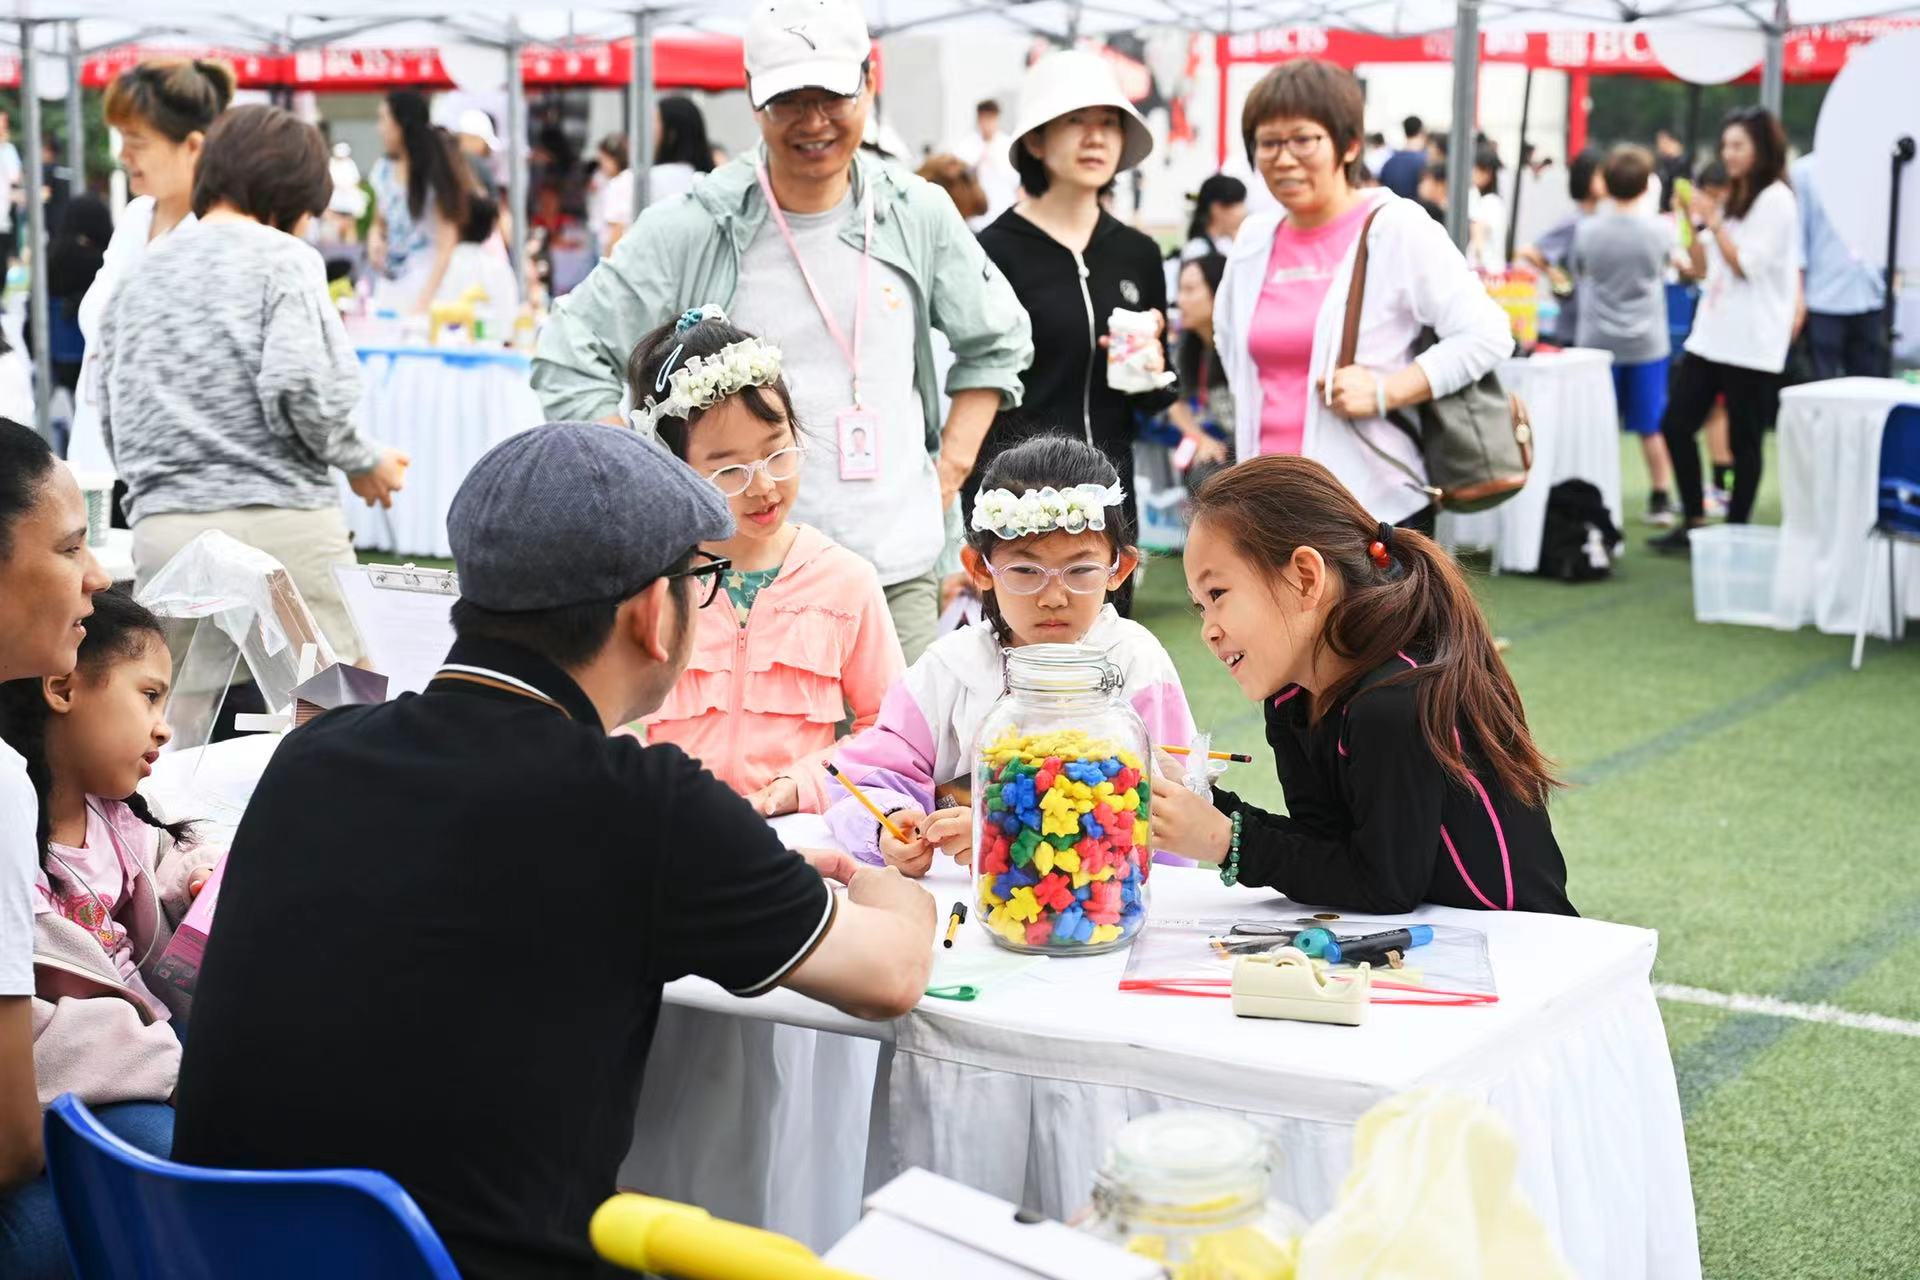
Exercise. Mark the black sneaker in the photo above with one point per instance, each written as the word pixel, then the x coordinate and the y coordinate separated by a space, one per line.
pixel 1678 542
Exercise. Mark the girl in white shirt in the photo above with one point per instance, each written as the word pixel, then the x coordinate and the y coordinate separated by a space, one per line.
pixel 1748 251
pixel 163 108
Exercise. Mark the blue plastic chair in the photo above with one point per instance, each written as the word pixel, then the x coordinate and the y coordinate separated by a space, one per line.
pixel 1898 518
pixel 130 1216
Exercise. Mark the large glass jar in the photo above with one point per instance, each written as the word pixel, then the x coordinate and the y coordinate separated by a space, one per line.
pixel 1061 807
pixel 1193 1190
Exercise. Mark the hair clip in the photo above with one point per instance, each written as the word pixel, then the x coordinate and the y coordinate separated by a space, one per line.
pixel 1380 549
pixel 688 319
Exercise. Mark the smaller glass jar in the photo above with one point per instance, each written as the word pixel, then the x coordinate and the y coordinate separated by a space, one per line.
pixel 1193 1191
pixel 1062 807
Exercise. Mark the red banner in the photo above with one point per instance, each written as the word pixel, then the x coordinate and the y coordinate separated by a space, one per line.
pixel 679 62
pixel 1812 53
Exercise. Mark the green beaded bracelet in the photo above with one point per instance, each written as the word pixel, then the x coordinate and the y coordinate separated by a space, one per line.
pixel 1230 868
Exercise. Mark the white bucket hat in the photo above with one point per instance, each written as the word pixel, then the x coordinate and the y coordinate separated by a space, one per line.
pixel 1071 80
pixel 805 44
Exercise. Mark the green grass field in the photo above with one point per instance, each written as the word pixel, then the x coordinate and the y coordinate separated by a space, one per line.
pixel 1744 793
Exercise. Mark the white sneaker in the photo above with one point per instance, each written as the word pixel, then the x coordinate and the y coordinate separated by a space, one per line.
pixel 1662 517
pixel 1716 504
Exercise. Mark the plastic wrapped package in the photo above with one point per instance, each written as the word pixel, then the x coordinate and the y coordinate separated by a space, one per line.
pixel 256 614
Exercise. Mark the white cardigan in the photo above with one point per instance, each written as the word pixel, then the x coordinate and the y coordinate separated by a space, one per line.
pixel 1415 278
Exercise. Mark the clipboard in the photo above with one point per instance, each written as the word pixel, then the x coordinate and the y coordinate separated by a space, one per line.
pixel 405 616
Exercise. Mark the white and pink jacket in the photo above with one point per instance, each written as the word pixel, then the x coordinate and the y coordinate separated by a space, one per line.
pixel 925 734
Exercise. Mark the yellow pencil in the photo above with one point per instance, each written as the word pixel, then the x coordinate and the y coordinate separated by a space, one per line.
pixel 871 807
pixel 1232 757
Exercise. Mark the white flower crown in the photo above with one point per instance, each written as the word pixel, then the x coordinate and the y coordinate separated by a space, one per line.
pixel 705 381
pixel 1005 514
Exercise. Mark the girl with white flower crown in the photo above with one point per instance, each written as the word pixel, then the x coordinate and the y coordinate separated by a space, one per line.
pixel 802 639
pixel 1049 544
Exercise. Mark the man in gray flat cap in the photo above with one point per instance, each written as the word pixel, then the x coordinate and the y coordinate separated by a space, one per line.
pixel 446 920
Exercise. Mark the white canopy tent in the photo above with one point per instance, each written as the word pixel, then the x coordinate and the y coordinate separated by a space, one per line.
pixel 70 29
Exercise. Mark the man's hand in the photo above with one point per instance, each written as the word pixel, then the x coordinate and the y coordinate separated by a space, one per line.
pixel 953 478
pixel 382 480
pixel 885 889
pixel 778 797
pixel 833 864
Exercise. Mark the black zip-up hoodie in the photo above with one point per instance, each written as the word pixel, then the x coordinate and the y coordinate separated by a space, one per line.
pixel 1066 386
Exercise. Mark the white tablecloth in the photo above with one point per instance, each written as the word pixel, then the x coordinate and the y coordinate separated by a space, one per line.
pixel 443 409
pixel 781 1111
pixel 1576 436
pixel 1829 483
pixel 1020 1092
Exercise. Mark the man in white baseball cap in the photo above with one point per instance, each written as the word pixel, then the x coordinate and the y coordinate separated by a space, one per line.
pixel 846 263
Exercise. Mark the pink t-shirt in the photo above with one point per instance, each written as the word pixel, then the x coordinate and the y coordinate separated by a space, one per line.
pixel 88 885
pixel 1300 269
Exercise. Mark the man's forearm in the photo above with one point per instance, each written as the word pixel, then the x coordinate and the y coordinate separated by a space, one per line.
pixel 967 425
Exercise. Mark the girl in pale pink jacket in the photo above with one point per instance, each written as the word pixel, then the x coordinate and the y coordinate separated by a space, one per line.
pixel 801 640
pixel 113 880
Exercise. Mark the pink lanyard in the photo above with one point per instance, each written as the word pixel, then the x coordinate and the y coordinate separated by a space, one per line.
pixel 850 350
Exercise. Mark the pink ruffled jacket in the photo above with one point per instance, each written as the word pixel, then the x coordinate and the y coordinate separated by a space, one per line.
pixel 927 727
pixel 762 702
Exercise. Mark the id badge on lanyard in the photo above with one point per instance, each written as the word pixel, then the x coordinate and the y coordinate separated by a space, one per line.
pixel 857 429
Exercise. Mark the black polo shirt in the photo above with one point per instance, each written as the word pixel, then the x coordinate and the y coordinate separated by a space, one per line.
pixel 440 944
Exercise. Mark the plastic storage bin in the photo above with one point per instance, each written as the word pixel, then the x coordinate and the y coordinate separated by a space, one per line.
pixel 1733 573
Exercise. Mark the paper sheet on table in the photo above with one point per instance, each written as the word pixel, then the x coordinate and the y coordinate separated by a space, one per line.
pixel 407 632
pixel 982 968
pixel 1195 957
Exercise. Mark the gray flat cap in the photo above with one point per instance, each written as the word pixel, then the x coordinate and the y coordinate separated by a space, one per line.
pixel 575 512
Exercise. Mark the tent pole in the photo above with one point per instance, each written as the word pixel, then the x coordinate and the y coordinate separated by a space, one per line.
pixel 33 247
pixel 1773 74
pixel 76 114
pixel 640 139
pixel 1520 167
pixel 1466 112
pixel 517 150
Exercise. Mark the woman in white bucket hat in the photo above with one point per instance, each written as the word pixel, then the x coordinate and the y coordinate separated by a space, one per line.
pixel 1071 263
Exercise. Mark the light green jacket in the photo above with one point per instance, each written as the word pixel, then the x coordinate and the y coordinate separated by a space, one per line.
pixel 686 252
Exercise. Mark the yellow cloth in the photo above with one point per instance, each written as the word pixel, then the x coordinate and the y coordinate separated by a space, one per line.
pixel 1432 1195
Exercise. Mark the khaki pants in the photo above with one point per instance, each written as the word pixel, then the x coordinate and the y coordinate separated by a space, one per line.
pixel 307 543
pixel 915 606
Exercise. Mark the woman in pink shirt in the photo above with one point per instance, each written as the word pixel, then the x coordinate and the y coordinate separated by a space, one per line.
pixel 801 639
pixel 1283 301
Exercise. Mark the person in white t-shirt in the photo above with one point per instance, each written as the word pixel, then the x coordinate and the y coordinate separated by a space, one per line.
pixel 984 150
pixel 10 170
pixel 1748 250
pixel 48 577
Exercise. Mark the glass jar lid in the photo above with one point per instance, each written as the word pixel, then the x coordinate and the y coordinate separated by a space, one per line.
pixel 1188 1166
pixel 1063 669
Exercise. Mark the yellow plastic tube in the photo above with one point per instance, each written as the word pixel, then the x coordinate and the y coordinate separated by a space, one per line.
pixel 642 1233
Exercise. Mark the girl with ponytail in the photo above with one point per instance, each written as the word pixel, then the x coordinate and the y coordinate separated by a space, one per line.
pixel 1400 740
pixel 421 188
pixel 113 879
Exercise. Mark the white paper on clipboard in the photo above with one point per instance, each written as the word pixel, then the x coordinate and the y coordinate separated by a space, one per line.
pixel 405 616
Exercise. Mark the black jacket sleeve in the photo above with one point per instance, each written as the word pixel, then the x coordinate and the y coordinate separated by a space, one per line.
pixel 1372 846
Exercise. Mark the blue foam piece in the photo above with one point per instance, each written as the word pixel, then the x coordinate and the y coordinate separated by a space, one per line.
pixel 1023 876
pixel 1109 767
pixel 1084 892
pixel 1092 828
pixel 1083 932
pixel 1068 923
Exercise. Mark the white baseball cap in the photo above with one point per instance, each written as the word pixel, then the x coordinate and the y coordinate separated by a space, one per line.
pixel 1070 80
pixel 805 44
pixel 478 124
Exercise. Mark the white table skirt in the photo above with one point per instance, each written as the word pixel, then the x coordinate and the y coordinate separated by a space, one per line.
pixel 1576 435
pixel 1020 1092
pixel 1829 483
pixel 444 409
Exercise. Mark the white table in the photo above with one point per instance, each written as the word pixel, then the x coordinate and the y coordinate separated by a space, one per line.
pixel 1829 484
pixel 1018 1094
pixel 444 408
pixel 1576 436
pixel 782 1112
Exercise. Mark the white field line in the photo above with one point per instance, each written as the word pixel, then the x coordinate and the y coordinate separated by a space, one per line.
pixel 1768 1005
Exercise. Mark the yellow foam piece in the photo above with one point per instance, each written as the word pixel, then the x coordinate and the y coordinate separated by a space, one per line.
pixel 1012 931
pixel 1103 933
pixel 1044 858
pixel 987 896
pixel 1140 834
pixel 1103 792
pixel 1081 879
pixel 1104 873
pixel 1023 906
pixel 1066 860
pixel 1128 803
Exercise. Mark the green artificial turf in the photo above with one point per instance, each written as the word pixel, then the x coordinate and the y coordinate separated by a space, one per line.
pixel 1744 793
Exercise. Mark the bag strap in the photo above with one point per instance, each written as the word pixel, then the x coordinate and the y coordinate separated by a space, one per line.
pixel 1350 344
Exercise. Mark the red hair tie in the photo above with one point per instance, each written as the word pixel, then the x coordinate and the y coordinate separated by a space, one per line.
pixel 1378 550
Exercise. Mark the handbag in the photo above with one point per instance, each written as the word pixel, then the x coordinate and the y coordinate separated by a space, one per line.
pixel 1477 442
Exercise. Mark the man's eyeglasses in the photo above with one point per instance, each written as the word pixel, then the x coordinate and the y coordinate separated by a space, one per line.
pixel 714 570
pixel 1087 578
pixel 792 108
pixel 781 464
pixel 1303 145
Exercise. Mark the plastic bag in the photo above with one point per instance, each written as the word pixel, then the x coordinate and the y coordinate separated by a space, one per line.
pixel 1195 957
